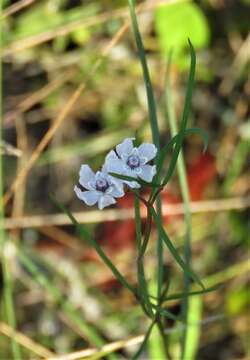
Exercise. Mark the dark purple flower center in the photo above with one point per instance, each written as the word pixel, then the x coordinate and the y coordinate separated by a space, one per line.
pixel 101 185
pixel 133 161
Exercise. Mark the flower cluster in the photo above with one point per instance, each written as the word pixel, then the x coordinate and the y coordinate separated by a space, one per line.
pixel 102 188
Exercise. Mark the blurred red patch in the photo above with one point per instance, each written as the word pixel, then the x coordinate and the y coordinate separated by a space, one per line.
pixel 200 174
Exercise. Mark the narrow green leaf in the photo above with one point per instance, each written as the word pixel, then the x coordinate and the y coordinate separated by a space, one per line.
pixel 203 134
pixel 191 293
pixel 166 313
pixel 167 147
pixel 185 115
pixel 85 234
pixel 185 194
pixel 147 80
pixel 174 252
pixel 153 123
pixel 164 151
pixel 144 343
pixel 178 296
pixel 190 85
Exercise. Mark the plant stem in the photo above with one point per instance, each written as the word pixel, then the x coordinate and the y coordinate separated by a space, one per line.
pixel 143 295
pixel 181 169
pixel 164 338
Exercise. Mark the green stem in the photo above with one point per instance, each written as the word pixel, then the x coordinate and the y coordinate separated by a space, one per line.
pixel 148 226
pixel 164 339
pixel 147 80
pixel 181 170
pixel 143 294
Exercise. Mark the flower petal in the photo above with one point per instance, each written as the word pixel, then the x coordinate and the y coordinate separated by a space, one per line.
pixel 115 165
pixel 116 182
pixel 105 201
pixel 110 156
pixel 133 184
pixel 125 148
pixel 147 151
pixel 87 177
pixel 89 197
pixel 148 172
pixel 132 173
pixel 116 191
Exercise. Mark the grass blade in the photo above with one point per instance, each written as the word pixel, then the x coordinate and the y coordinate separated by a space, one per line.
pixel 166 313
pixel 183 179
pixel 178 296
pixel 191 293
pixel 174 252
pixel 203 134
pixel 164 151
pixel 147 80
pixel 185 115
pixel 144 343
pixel 154 128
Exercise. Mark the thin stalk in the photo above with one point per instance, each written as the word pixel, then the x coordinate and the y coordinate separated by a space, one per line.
pixel 146 75
pixel 7 279
pixel 137 222
pixel 153 123
pixel 148 226
pixel 154 129
pixel 142 283
pixel 165 340
pixel 181 170
pixel 144 343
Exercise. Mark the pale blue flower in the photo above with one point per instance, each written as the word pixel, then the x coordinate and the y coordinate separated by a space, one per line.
pixel 100 188
pixel 132 161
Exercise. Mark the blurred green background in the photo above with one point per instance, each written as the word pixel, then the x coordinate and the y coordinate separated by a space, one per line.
pixel 48 49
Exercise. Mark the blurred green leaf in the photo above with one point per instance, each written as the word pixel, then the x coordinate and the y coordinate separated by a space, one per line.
pixel 155 345
pixel 81 35
pixel 43 17
pixel 237 300
pixel 5 3
pixel 177 22
pixel 87 148
pixel 193 328
pixel 239 228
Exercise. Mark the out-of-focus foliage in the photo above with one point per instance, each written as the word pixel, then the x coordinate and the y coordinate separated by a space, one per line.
pixel 178 22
